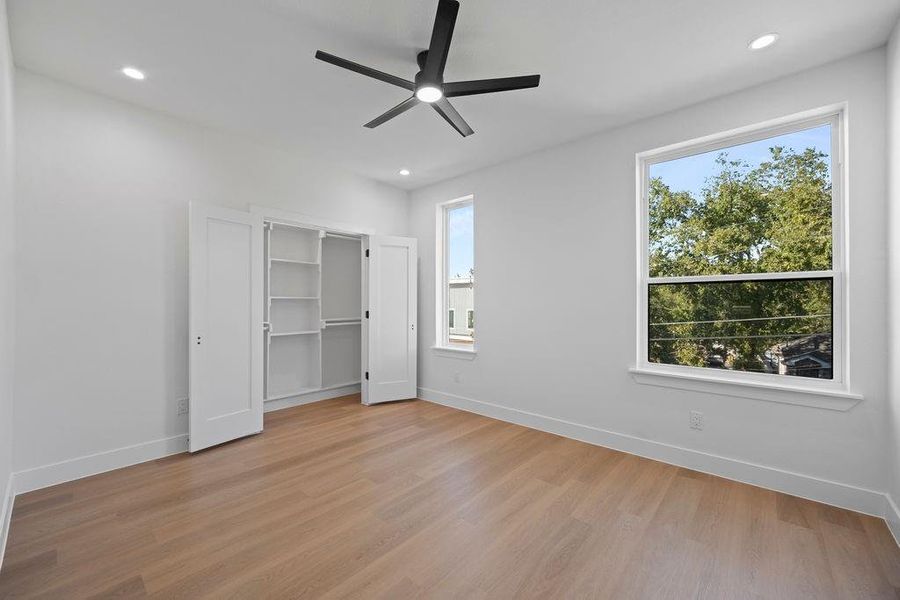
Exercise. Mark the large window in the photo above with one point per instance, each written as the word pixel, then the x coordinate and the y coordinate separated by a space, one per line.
pixel 455 292
pixel 741 253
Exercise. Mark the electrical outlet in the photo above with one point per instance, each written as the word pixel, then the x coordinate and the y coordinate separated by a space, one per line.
pixel 696 419
pixel 456 377
pixel 183 406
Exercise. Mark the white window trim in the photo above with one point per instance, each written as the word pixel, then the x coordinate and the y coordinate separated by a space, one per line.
pixel 832 394
pixel 442 345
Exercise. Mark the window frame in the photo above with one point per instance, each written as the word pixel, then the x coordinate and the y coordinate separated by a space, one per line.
pixel 443 343
pixel 678 375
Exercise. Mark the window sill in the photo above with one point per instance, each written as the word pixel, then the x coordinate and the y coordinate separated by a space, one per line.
pixel 451 352
pixel 830 399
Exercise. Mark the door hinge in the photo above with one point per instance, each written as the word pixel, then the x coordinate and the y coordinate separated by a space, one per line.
pixel 367 253
pixel 367 375
pixel 367 314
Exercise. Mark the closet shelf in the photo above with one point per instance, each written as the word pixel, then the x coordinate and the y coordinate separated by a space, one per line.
pixel 290 261
pixel 282 395
pixel 332 386
pixel 286 333
pixel 309 390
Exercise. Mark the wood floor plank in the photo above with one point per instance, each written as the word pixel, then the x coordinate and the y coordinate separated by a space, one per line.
pixel 417 500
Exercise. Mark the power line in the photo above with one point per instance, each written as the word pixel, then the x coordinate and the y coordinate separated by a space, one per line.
pixel 742 320
pixel 740 337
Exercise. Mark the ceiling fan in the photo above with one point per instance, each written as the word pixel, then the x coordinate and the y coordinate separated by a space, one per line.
pixel 429 86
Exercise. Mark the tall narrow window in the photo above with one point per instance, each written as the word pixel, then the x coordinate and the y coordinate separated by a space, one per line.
pixel 456 274
pixel 741 253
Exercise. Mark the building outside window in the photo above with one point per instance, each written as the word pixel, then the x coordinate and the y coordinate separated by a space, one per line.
pixel 456 274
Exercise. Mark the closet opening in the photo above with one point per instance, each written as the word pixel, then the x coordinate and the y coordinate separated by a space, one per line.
pixel 313 310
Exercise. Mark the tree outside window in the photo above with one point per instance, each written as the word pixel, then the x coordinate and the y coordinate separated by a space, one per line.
pixel 740 258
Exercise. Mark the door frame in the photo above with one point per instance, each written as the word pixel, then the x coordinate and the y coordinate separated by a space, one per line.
pixel 296 219
pixel 289 217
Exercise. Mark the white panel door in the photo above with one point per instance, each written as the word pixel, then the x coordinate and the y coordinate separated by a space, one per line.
pixel 391 351
pixel 226 316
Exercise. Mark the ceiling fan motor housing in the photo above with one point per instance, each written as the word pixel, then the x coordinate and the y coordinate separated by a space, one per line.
pixel 421 79
pixel 422 58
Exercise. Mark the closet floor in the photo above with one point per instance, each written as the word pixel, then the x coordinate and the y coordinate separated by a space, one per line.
pixel 413 499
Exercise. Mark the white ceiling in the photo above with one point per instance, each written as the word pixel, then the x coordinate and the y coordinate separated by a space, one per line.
pixel 246 66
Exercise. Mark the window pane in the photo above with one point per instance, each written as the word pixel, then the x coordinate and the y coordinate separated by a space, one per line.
pixel 460 271
pixel 773 326
pixel 758 207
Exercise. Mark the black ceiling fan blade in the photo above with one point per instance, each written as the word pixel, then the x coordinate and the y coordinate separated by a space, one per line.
pixel 400 108
pixel 364 70
pixel 488 86
pixel 441 35
pixel 446 110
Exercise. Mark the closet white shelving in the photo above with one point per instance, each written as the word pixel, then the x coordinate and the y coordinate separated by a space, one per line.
pixel 312 310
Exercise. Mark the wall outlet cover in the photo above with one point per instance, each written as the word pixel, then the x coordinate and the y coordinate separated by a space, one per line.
pixel 183 406
pixel 696 419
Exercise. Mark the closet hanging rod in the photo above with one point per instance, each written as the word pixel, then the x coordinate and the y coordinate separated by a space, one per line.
pixel 337 323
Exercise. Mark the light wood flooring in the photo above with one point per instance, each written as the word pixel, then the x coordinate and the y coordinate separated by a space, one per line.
pixel 416 500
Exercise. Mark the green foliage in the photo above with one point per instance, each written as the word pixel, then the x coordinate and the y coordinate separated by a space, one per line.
pixel 775 217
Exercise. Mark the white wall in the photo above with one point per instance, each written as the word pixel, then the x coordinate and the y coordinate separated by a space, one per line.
pixel 555 237
pixel 7 264
pixel 103 189
pixel 893 116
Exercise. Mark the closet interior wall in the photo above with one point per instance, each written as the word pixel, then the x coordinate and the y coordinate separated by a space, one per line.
pixel 313 300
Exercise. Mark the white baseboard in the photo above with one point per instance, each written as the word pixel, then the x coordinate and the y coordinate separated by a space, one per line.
pixel 326 394
pixel 834 493
pixel 92 464
pixel 6 505
pixel 892 517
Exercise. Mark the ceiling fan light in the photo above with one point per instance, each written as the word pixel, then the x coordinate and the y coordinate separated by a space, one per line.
pixel 133 73
pixel 763 41
pixel 429 93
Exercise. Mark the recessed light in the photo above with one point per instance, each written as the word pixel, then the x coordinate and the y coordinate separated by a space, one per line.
pixel 404 172
pixel 429 93
pixel 133 73
pixel 763 41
